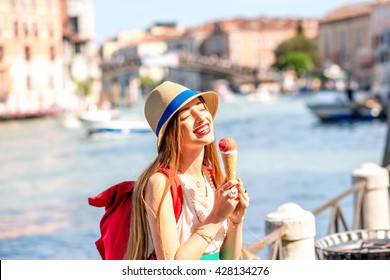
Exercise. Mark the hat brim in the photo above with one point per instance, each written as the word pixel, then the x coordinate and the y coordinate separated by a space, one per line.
pixel 211 100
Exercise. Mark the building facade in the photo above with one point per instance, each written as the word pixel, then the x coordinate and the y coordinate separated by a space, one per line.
pixel 46 52
pixel 345 39
pixel 30 55
pixel 81 72
pixel 251 42
pixel 380 25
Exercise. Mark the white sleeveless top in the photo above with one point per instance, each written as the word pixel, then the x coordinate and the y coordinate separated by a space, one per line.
pixel 195 209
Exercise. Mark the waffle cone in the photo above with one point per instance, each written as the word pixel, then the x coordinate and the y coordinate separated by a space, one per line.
pixel 230 164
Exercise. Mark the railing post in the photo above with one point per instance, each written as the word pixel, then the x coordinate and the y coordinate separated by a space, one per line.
pixel 298 240
pixel 375 206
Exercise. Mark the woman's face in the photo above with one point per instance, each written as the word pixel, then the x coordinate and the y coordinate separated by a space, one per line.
pixel 196 124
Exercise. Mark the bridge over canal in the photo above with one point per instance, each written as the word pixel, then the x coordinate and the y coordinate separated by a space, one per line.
pixel 210 67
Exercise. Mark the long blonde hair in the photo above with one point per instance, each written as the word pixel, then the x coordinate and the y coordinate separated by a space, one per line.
pixel 168 157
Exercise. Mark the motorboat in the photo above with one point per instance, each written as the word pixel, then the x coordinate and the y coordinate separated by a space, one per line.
pixel 262 96
pixel 222 88
pixel 122 127
pixel 70 120
pixel 89 117
pixel 331 106
pixel 93 115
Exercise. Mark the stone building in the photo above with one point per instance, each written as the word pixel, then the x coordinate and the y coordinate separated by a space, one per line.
pixel 380 25
pixel 30 56
pixel 251 42
pixel 46 48
pixel 345 39
pixel 81 72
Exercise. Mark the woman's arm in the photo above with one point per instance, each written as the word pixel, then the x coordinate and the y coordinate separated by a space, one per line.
pixel 232 245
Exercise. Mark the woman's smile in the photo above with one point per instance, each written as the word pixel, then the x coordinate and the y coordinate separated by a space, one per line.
pixel 202 130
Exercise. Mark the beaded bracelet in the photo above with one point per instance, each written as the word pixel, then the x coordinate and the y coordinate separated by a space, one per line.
pixel 208 239
pixel 235 222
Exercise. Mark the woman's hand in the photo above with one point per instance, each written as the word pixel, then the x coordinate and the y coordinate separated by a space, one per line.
pixel 242 199
pixel 223 204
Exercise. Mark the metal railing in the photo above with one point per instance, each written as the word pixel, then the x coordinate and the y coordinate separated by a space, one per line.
pixel 337 217
pixel 274 240
pixel 336 222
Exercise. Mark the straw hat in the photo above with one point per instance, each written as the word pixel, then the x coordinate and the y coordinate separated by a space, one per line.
pixel 166 99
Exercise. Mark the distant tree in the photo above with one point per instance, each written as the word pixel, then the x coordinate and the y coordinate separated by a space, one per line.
pixel 299 43
pixel 147 83
pixel 84 87
pixel 298 61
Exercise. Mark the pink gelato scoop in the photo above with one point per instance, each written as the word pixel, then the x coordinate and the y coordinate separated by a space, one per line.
pixel 227 145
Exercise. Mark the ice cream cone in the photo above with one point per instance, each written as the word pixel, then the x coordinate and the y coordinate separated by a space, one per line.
pixel 229 160
pixel 228 149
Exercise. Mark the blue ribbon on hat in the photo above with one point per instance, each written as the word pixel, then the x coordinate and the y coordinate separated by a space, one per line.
pixel 173 106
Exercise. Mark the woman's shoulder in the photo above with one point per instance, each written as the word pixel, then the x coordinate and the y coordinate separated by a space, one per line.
pixel 155 188
pixel 157 179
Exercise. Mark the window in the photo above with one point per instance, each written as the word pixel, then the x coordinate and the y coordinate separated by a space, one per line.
pixel 388 37
pixel 16 28
pixel 52 53
pixel 77 48
pixel 74 24
pixel 27 53
pixel 25 29
pixel 35 29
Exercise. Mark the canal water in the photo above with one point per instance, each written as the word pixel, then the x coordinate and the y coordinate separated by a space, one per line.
pixel 47 172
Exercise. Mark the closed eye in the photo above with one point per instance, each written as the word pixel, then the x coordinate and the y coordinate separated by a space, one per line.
pixel 184 116
pixel 185 112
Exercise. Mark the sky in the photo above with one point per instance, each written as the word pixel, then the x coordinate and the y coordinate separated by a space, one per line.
pixel 114 16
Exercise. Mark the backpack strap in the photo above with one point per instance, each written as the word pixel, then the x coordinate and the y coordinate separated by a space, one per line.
pixel 176 192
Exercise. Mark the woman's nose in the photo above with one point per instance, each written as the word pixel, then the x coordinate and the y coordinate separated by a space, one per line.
pixel 199 116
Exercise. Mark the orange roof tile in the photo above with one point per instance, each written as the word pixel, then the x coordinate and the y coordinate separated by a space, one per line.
pixel 349 11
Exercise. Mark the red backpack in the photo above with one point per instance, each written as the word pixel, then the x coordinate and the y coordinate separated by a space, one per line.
pixel 115 223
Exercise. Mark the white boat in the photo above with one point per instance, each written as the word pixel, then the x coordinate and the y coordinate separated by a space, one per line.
pixel 119 127
pixel 224 92
pixel 93 114
pixel 70 120
pixel 98 116
pixel 262 96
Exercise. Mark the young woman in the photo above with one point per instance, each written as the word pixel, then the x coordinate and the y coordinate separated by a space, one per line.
pixel 210 222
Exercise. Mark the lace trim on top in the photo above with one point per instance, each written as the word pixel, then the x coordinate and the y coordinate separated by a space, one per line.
pixel 201 206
